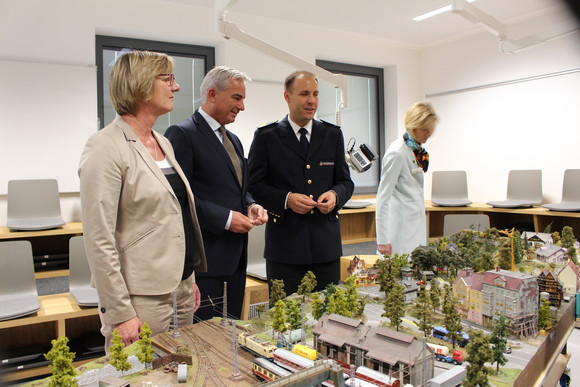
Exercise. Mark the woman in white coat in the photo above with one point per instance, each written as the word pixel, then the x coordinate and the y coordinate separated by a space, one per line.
pixel 400 212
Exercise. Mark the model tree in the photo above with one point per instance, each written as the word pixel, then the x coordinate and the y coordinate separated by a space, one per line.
pixel 478 353
pixel 504 259
pixel 145 354
pixel 452 317
pixel 526 243
pixel 63 373
pixel 337 303
pixel 355 303
pixel 484 262
pixel 423 309
pixel 394 305
pixel 386 276
pixel 568 242
pixel 435 294
pixel 556 237
pixel 317 306
pixel 293 313
pixel 544 319
pixel 424 259
pixel 307 285
pixel 279 320
pixel 118 354
pixel 518 248
pixel 277 291
pixel 499 340
pixel 452 272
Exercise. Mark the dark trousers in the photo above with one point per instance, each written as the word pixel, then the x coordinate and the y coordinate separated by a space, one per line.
pixel 326 273
pixel 212 292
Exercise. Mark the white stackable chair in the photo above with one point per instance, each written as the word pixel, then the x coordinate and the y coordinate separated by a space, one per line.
pixel 80 274
pixel 33 205
pixel 570 193
pixel 449 189
pixel 524 189
pixel 18 294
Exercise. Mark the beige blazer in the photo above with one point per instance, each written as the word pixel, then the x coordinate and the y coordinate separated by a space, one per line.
pixel 132 222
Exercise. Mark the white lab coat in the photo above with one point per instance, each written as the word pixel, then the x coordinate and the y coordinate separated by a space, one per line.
pixel 400 213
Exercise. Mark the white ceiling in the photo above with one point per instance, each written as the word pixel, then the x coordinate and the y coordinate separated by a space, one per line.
pixel 391 19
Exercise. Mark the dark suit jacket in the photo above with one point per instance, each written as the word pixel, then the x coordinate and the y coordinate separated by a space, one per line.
pixel 215 187
pixel 278 166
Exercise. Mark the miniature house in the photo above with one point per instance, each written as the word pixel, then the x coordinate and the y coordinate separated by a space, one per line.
pixel 537 239
pixel 392 353
pixel 551 254
pixel 363 276
pixel 548 282
pixel 500 292
pixel 569 276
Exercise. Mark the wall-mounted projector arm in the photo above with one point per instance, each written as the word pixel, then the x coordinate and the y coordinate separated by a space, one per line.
pixel 475 15
pixel 231 31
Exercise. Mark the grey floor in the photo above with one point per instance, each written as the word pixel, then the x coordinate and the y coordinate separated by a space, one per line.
pixel 365 248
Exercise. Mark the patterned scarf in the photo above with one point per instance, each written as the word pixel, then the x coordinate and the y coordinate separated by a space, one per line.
pixel 419 151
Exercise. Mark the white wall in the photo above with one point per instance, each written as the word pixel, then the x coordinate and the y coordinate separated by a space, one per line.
pixel 527 125
pixel 62 32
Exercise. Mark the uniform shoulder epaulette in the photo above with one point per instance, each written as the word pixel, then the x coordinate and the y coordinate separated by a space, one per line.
pixel 274 123
pixel 330 124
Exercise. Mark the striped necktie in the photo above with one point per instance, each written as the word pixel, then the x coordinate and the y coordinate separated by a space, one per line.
pixel 232 153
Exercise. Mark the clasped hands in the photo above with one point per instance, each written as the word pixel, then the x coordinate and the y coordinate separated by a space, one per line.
pixel 241 223
pixel 301 203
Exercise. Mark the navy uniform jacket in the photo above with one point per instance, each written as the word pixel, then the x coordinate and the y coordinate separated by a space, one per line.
pixel 278 166
pixel 213 180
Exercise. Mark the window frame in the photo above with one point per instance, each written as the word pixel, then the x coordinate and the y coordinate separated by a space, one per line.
pixel 104 42
pixel 378 74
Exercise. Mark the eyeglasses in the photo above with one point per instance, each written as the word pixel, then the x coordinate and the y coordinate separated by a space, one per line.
pixel 170 78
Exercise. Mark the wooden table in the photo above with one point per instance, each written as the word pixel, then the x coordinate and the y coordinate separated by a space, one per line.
pixel 358 225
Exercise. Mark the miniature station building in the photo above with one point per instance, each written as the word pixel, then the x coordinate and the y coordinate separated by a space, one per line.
pixel 482 296
pixel 393 353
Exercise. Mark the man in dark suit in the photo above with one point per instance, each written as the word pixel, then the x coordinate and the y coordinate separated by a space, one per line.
pixel 298 172
pixel 213 160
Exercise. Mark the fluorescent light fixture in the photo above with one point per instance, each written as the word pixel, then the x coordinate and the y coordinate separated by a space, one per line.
pixel 435 12
pixel 432 13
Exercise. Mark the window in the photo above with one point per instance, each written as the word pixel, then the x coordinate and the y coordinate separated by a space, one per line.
pixel 191 65
pixel 363 120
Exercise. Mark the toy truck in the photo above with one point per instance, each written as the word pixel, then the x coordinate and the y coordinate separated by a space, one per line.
pixel 442 354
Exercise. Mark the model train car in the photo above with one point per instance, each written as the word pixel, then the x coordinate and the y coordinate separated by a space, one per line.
pixel 255 345
pixel 305 351
pixel 290 360
pixel 266 370
pixel 376 377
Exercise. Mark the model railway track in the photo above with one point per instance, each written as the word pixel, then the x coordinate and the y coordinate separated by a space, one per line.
pixel 224 355
pixel 206 366
pixel 165 344
pixel 207 353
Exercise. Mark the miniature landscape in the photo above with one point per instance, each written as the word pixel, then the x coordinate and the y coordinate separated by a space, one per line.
pixel 483 300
